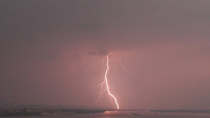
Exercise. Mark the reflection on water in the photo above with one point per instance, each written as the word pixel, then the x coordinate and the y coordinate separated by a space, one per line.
pixel 124 114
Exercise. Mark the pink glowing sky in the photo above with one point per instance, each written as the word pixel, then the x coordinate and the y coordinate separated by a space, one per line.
pixel 46 47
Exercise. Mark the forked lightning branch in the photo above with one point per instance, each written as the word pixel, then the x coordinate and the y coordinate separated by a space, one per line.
pixel 106 80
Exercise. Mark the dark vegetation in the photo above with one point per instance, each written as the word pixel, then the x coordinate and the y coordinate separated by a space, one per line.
pixel 20 112
pixel 39 112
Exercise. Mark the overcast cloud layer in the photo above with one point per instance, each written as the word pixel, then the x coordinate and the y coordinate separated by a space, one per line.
pixel 46 47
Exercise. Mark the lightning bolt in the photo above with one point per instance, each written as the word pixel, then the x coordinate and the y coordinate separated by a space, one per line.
pixel 105 82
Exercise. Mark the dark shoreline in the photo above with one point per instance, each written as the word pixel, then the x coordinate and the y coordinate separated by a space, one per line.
pixel 40 112
pixel 182 111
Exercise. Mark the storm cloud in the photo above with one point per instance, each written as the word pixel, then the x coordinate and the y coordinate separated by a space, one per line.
pixel 47 45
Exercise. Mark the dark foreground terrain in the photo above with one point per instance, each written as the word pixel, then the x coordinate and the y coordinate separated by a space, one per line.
pixel 43 112
pixel 91 113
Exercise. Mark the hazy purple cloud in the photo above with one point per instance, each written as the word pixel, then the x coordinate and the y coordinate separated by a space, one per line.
pixel 47 46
